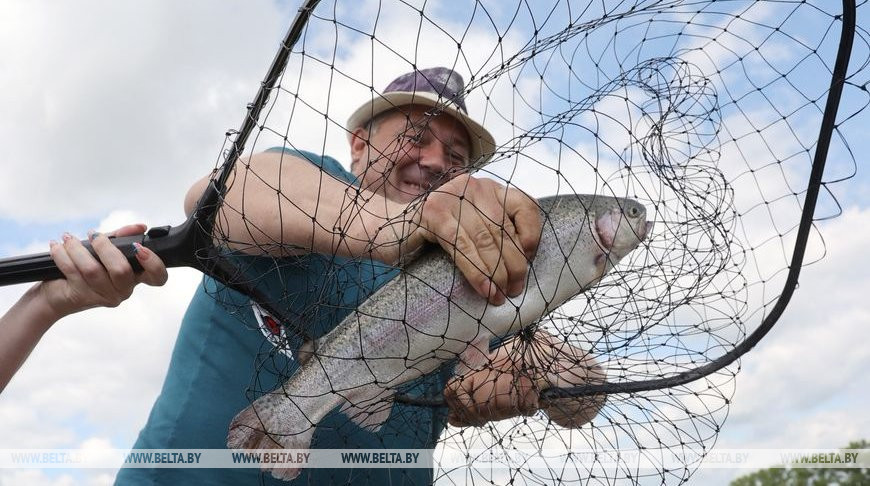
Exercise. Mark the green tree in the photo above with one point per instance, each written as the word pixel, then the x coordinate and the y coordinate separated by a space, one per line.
pixel 788 476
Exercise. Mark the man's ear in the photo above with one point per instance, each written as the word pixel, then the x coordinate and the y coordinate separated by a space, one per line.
pixel 359 149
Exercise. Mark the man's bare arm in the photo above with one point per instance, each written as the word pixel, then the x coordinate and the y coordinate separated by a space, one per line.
pixel 279 204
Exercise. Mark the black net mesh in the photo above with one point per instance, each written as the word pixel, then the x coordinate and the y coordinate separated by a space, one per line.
pixel 706 113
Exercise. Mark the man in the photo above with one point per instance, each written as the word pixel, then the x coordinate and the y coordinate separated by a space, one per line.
pixel 320 240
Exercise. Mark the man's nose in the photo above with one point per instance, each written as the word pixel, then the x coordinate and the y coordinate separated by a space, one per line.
pixel 433 157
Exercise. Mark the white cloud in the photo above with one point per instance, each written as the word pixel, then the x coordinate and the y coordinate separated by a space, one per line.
pixel 805 385
pixel 811 357
pixel 122 104
pixel 110 111
pixel 92 379
pixel 122 110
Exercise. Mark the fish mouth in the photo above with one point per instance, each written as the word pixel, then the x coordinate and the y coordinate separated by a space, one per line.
pixel 606 227
pixel 647 229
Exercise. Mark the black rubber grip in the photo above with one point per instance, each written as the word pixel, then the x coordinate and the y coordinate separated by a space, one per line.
pixel 40 266
pixel 176 246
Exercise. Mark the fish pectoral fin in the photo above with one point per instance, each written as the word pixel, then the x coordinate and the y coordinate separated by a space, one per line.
pixel 368 406
pixel 475 356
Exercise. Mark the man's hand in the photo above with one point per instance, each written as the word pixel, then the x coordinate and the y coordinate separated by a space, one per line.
pixel 559 364
pixel 516 373
pixel 491 232
pixel 499 391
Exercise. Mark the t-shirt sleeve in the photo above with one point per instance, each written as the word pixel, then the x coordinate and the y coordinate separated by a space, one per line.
pixel 325 162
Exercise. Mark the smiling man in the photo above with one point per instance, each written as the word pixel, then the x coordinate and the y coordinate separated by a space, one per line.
pixel 407 151
pixel 321 240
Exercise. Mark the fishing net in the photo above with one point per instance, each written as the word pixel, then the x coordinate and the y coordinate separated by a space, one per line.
pixel 707 113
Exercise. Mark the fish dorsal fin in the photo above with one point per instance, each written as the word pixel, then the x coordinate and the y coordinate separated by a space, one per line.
pixel 368 407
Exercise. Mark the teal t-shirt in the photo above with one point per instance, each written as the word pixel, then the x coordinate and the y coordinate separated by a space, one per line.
pixel 222 361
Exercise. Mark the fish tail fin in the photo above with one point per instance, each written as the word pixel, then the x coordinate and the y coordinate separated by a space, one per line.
pixel 252 430
pixel 245 430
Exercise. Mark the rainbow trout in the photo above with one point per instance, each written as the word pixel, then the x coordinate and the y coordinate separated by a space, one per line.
pixel 428 315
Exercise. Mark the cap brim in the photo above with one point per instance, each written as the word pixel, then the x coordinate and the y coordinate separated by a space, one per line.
pixel 482 142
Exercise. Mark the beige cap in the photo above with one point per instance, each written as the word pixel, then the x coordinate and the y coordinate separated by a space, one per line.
pixel 439 88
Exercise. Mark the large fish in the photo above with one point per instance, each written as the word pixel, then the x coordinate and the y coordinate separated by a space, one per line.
pixel 428 315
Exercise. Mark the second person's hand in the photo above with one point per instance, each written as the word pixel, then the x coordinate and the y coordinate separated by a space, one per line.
pixel 91 283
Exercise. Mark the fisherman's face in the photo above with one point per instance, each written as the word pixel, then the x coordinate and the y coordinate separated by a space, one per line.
pixel 409 152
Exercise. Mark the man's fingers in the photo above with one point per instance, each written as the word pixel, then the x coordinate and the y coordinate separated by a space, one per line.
pixel 513 261
pixel 466 397
pixel 526 214
pixel 459 413
pixel 499 398
pixel 489 395
pixel 488 239
pixel 478 247
pixel 486 403
pixel 521 229
pixel 458 396
pixel 511 264
pixel 472 264
pixel 502 246
pixel 490 230
pixel 452 403
pixel 440 221
pixel 528 398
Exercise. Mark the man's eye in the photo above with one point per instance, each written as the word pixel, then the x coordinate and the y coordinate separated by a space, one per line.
pixel 415 139
pixel 458 159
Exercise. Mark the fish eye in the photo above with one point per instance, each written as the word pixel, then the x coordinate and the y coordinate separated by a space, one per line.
pixel 633 212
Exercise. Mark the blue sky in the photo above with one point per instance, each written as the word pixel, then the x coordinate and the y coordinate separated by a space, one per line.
pixel 17 234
